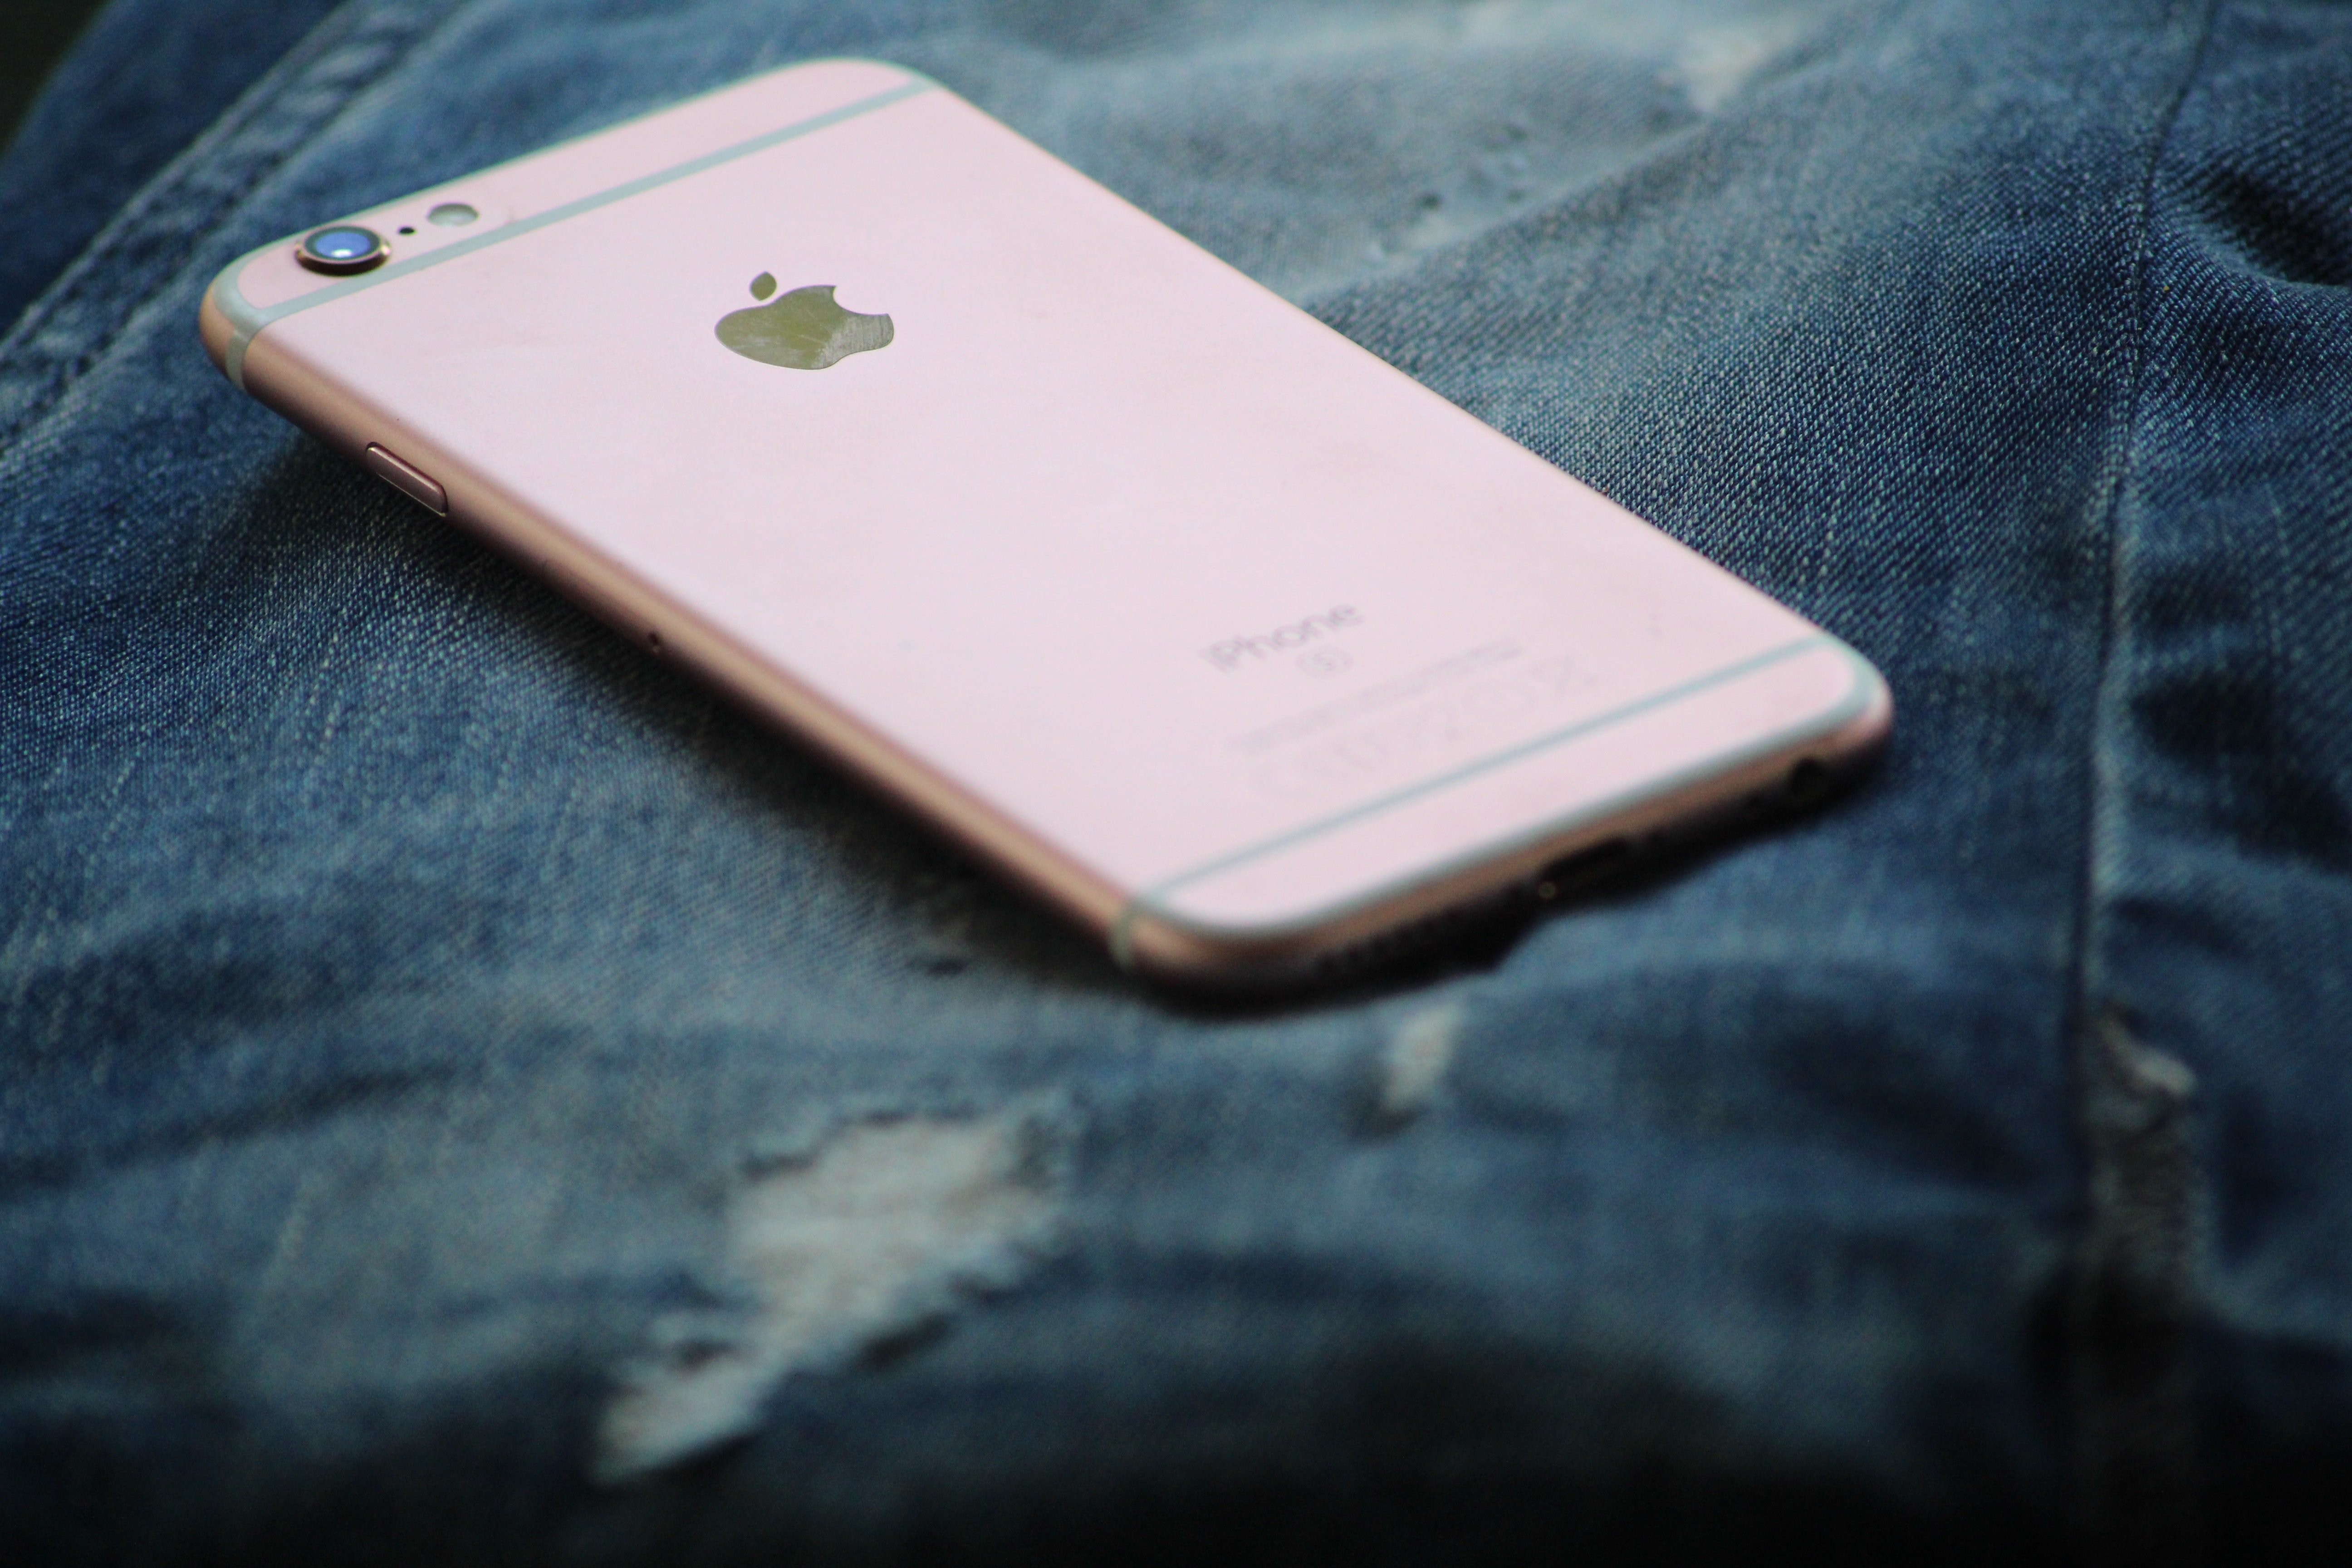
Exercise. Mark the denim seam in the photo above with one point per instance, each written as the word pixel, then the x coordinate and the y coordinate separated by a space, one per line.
pixel 175 211
pixel 2133 1302
pixel 2131 1288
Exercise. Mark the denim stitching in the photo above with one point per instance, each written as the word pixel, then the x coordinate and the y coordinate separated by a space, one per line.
pixel 2132 1290
pixel 2133 1302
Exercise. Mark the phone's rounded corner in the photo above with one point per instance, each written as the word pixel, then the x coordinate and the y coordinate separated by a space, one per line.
pixel 1341 942
pixel 215 328
pixel 908 77
pixel 1204 955
pixel 1831 754
pixel 213 323
pixel 1869 719
pixel 1165 948
pixel 227 320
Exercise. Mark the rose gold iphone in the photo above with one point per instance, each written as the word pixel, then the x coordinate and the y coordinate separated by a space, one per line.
pixel 1244 649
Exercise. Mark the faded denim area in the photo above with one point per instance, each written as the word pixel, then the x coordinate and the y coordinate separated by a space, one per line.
pixel 468 1095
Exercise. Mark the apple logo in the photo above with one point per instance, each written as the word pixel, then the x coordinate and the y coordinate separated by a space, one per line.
pixel 803 330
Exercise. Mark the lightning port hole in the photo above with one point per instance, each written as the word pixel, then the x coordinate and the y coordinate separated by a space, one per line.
pixel 1809 781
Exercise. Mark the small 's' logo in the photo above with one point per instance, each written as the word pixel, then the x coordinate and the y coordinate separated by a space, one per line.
pixel 803 330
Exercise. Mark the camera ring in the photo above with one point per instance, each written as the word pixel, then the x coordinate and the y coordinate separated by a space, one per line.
pixel 342 248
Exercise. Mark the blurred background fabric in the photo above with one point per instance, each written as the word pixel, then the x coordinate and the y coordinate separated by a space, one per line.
pixel 33 33
pixel 467 1094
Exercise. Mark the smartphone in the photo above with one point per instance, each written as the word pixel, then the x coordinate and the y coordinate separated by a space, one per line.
pixel 1253 654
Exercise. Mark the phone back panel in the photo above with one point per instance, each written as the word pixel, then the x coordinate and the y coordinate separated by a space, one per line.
pixel 1159 591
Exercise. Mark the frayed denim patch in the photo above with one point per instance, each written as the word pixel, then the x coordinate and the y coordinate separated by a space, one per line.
pixel 877 1234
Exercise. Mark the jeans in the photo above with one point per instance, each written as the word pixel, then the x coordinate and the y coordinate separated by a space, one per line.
pixel 466 1093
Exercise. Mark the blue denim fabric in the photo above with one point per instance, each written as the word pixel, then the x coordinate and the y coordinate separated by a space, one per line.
pixel 151 77
pixel 419 1010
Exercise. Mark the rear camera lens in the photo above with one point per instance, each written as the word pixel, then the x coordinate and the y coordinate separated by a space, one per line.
pixel 346 248
pixel 452 215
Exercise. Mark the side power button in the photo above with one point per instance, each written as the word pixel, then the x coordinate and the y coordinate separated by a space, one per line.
pixel 408 480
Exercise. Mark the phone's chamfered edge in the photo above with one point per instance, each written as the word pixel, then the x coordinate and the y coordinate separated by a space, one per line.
pixel 1149 938
pixel 228 322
